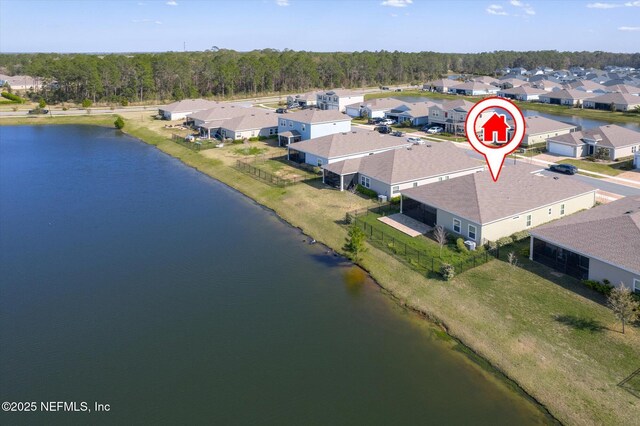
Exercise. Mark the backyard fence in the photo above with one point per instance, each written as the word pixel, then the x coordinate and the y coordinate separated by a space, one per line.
pixel 196 145
pixel 248 167
pixel 419 260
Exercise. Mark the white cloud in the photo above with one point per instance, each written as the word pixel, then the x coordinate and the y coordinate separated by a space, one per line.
pixel 282 2
pixel 635 3
pixel 496 9
pixel 396 3
pixel 632 4
pixel 524 6
pixel 629 28
pixel 172 3
pixel 146 21
pixel 516 3
pixel 158 22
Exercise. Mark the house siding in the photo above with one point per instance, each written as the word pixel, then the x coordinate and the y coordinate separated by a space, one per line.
pixel 310 131
pixel 599 271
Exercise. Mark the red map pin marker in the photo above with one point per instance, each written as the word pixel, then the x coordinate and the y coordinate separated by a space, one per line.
pixel 495 130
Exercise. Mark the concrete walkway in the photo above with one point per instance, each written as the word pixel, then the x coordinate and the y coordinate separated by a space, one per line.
pixel 405 224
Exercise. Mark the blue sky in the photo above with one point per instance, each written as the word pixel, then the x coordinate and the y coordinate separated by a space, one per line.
pixel 329 25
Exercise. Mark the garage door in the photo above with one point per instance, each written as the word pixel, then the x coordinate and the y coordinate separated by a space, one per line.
pixel 559 149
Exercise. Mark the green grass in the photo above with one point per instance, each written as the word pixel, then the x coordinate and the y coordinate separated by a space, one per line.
pixel 612 169
pixel 254 150
pixel 419 93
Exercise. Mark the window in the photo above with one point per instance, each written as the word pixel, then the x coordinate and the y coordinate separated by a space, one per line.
pixel 561 209
pixel 396 189
pixel 472 232
pixel 304 127
pixel 549 211
pixel 291 124
pixel 364 181
pixel 456 225
pixel 440 179
pixel 319 162
pixel 636 285
pixel 283 123
pixel 634 148
pixel 415 184
pixel 528 220
pixel 271 131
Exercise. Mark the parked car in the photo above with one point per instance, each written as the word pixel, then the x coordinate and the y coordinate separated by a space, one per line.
pixel 38 111
pixel 568 169
pixel 281 111
pixel 398 90
pixel 387 122
pixel 415 140
pixel 434 130
pixel 397 133
pixel 384 88
pixel 384 129
pixel 374 120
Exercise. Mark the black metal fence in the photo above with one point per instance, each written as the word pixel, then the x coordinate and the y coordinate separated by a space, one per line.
pixel 270 178
pixel 420 260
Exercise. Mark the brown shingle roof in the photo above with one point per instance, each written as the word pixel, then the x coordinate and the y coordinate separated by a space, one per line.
pixel 312 116
pixel 190 105
pixel 610 233
pixel 478 198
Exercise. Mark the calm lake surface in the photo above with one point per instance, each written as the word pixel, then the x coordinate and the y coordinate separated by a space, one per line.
pixel 585 123
pixel 130 279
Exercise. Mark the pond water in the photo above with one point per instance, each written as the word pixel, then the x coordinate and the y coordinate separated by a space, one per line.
pixel 132 280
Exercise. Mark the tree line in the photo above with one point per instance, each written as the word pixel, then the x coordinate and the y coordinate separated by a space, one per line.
pixel 225 73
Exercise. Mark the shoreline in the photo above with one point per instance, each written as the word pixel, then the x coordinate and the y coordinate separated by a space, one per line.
pixel 402 295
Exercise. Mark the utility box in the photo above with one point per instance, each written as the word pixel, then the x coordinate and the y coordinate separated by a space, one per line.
pixel 382 198
pixel 471 245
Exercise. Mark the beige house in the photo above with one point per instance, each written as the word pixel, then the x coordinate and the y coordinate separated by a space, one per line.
pixel 443 85
pixel 621 102
pixel 539 129
pixel 235 121
pixel 338 99
pixel 564 97
pixel 479 209
pixel 181 109
pixel 450 115
pixel 619 141
pixel 599 244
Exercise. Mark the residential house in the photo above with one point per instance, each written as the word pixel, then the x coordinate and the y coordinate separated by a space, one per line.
pixel 509 83
pixel 486 80
pixel 392 172
pixel 337 99
pixel 598 244
pixel 443 85
pixel 480 210
pixel 548 85
pixel 217 121
pixel 473 88
pixel 374 108
pixel 20 82
pixel 522 93
pixel 343 146
pixel 570 97
pixel 304 100
pixel 636 159
pixel 180 109
pixel 311 123
pixel 618 141
pixel 620 101
pixel 417 114
pixel 588 86
pixel 539 129
pixel 625 88
pixel 451 115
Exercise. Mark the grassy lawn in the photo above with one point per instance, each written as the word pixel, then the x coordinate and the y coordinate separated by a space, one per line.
pixel 542 329
pixel 419 93
pixel 612 169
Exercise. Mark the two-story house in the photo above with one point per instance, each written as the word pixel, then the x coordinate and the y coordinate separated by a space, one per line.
pixel 310 124
pixel 337 99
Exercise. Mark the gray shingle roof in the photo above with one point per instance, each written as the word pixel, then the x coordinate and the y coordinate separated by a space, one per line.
pixel 610 233
pixel 256 119
pixel 312 116
pixel 536 124
pixel 567 94
pixel 351 143
pixel 610 136
pixel 478 198
pixel 190 105
pixel 616 98
pixel 419 162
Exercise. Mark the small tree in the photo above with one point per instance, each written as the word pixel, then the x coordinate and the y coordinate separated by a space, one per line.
pixel 447 271
pixel 119 123
pixel 623 305
pixel 440 235
pixel 86 103
pixel 41 103
pixel 612 107
pixel 355 243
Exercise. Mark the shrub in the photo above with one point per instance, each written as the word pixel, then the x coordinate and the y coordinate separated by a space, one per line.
pixel 65 108
pixel 119 123
pixel 12 97
pixel 597 286
pixel 395 200
pixel 254 139
pixel 348 218
pixel 525 252
pixel 237 141
pixel 124 102
pixel 86 103
pixel 366 191
pixel 491 245
pixel 41 103
pixel 519 236
pixel 504 241
pixel 447 271
pixel 461 247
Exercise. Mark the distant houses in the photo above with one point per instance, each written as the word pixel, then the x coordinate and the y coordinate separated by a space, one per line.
pixel 180 109
pixel 474 88
pixel 233 121
pixel 608 142
pixel 569 97
pixel 522 93
pixel 479 209
pixel 613 101
pixel 601 244
pixel 539 129
pixel 373 108
pixel 443 85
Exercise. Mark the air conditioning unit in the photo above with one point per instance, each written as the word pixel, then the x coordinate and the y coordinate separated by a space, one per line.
pixel 382 198
pixel 471 245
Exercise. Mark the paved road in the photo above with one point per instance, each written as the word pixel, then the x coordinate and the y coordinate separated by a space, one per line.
pixel 94 111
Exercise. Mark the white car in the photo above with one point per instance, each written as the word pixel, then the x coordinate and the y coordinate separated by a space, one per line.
pixel 435 130
pixel 415 140
pixel 387 122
